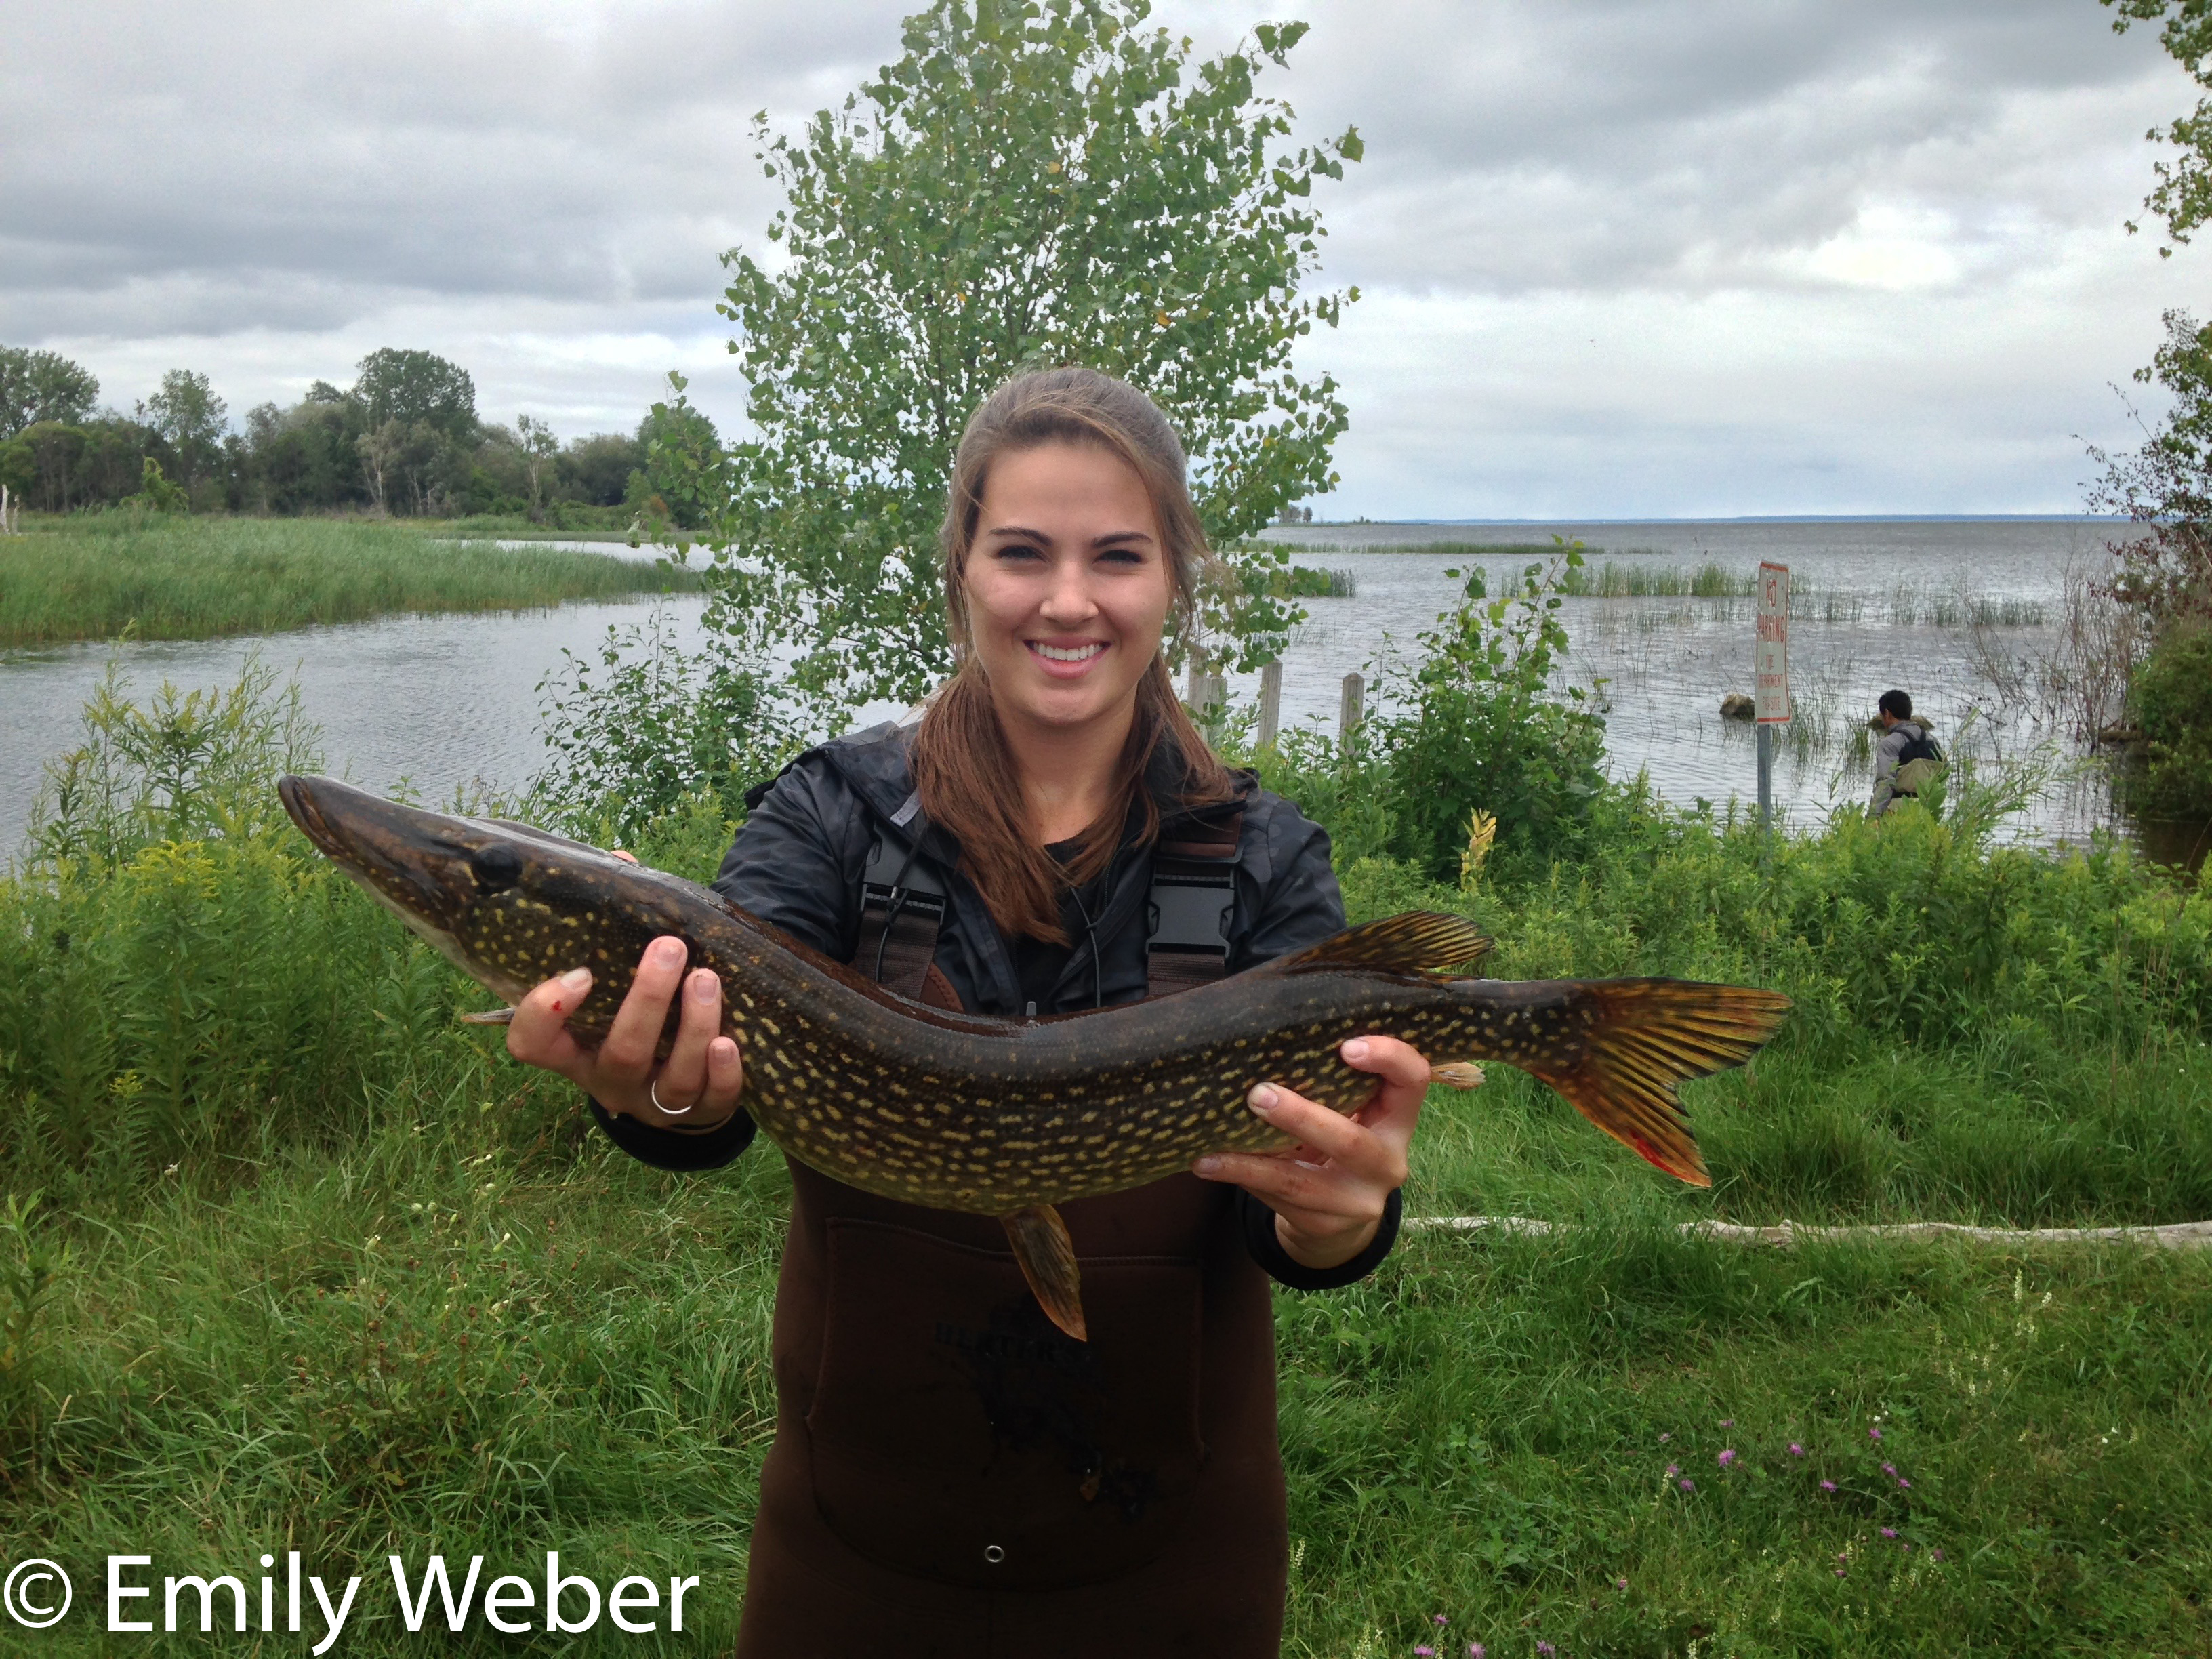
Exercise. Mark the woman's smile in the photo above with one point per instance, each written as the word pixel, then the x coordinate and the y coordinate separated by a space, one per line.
pixel 1068 657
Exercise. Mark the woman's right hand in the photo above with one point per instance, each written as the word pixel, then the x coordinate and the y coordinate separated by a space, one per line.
pixel 702 1076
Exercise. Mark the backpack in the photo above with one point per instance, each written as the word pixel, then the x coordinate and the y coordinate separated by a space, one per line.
pixel 1919 764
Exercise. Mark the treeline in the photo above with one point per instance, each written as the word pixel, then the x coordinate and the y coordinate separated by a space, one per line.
pixel 404 440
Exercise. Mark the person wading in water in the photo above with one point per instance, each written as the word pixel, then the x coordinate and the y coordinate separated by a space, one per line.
pixel 950 1474
pixel 1906 759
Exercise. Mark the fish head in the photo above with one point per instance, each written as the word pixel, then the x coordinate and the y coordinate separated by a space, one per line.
pixel 508 905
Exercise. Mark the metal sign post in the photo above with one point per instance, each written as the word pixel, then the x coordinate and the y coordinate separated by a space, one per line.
pixel 1770 662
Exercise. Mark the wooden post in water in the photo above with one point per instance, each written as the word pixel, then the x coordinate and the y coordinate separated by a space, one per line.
pixel 1271 704
pixel 1350 712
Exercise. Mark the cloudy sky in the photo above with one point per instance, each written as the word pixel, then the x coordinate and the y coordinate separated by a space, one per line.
pixel 1619 258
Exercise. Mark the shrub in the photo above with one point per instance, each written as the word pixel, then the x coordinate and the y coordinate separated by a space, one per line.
pixel 654 731
pixel 2172 698
pixel 1483 723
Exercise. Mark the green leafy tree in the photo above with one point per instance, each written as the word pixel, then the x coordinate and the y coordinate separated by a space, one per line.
pixel 417 388
pixel 187 414
pixel 56 452
pixel 2164 488
pixel 1035 182
pixel 540 448
pixel 2183 197
pixel 684 478
pixel 37 386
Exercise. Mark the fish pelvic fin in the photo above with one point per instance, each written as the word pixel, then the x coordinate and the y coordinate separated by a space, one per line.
pixel 1418 942
pixel 487 1017
pixel 1651 1034
pixel 1046 1256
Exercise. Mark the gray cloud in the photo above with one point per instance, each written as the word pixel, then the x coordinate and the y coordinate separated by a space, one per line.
pixel 1621 255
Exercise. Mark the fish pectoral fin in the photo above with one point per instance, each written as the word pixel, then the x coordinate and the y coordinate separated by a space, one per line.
pixel 1457 1074
pixel 487 1017
pixel 1418 942
pixel 1047 1255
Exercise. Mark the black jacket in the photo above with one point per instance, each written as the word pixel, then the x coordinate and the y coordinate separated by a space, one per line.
pixel 798 862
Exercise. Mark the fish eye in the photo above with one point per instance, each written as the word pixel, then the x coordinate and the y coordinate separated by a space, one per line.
pixel 497 866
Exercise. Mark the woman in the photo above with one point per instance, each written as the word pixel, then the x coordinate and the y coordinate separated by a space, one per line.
pixel 950 1474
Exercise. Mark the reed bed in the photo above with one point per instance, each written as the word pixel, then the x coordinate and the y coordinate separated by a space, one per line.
pixel 1626 581
pixel 157 577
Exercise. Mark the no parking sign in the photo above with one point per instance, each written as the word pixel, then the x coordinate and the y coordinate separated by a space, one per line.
pixel 1770 657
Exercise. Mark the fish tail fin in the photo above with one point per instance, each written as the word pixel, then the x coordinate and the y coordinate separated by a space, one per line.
pixel 1047 1255
pixel 1651 1035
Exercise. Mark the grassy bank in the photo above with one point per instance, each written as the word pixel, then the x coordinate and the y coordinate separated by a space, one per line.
pixel 177 578
pixel 324 1271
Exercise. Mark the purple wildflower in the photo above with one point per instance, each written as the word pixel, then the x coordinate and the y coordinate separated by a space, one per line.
pixel 1728 1457
pixel 1687 1484
pixel 1476 1651
pixel 1620 1583
pixel 1827 1485
pixel 1664 1439
pixel 1903 1484
pixel 1936 1555
pixel 1547 1650
pixel 1727 1422
pixel 1839 1572
pixel 1889 1532
pixel 1889 1469
pixel 1424 1653
pixel 1874 1434
pixel 1439 1620
pixel 1796 1451
pixel 1674 1469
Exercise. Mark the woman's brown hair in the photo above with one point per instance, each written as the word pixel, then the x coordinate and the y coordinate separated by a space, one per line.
pixel 963 769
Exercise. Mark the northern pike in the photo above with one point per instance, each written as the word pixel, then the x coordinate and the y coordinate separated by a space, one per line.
pixel 1008 1117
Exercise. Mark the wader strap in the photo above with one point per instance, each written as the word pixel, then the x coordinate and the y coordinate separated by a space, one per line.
pixel 902 902
pixel 1193 896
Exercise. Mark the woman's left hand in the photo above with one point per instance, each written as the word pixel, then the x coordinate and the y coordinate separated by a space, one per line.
pixel 1329 1191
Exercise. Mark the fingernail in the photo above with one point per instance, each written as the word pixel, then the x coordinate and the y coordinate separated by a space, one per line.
pixel 1356 1049
pixel 703 986
pixel 1262 1097
pixel 1207 1166
pixel 575 981
pixel 669 949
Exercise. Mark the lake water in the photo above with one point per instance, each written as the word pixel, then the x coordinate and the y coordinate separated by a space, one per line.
pixel 446 701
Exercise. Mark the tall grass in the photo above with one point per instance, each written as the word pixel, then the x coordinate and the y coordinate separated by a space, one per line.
pixel 1622 582
pixel 170 577
pixel 316 1269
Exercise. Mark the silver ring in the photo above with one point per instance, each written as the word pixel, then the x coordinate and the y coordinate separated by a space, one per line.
pixel 653 1093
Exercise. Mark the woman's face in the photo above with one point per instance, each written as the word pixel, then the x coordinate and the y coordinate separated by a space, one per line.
pixel 1067 583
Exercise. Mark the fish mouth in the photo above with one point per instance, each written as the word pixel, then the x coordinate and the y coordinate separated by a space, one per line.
pixel 298 795
pixel 395 852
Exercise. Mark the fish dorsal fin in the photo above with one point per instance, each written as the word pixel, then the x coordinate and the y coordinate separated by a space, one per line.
pixel 1418 942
